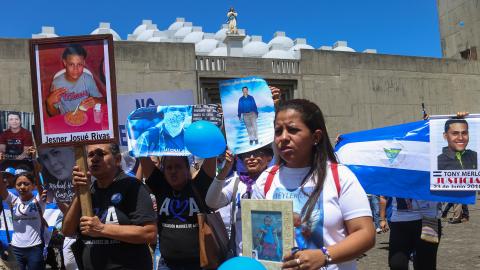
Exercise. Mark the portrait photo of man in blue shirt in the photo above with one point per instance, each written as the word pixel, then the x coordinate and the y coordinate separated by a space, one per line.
pixel 248 113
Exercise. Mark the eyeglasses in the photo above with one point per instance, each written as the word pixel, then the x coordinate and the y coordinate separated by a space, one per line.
pixel 252 154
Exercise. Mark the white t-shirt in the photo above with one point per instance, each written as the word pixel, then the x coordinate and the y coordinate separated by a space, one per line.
pixel 26 221
pixel 331 210
pixel 219 195
pixel 410 210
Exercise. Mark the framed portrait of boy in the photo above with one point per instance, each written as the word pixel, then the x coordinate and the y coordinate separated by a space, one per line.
pixel 74 92
pixel 267 230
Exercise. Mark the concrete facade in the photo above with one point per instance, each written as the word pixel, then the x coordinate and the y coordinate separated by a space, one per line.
pixel 459 22
pixel 355 91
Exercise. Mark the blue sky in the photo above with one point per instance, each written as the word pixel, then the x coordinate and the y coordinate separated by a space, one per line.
pixel 401 27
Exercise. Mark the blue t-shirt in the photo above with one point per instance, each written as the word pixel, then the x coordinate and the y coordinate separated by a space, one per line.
pixel 77 91
pixel 246 105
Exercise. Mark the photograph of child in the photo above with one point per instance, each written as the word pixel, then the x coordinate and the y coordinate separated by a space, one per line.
pixel 74 88
pixel 267 235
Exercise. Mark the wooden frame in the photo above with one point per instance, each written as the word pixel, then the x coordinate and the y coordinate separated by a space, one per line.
pixel 49 72
pixel 256 215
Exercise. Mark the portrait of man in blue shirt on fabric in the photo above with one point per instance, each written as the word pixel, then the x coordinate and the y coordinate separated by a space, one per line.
pixel 166 137
pixel 247 111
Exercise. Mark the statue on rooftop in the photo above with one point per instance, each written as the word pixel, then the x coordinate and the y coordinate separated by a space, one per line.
pixel 232 21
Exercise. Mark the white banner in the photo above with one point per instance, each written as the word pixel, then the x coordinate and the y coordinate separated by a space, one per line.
pixel 454 144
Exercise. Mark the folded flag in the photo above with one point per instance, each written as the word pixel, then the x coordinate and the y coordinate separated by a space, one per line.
pixel 395 161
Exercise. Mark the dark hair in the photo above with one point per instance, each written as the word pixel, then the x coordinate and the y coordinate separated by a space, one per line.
pixel 115 149
pixel 184 158
pixel 27 175
pixel 74 49
pixel 454 121
pixel 244 88
pixel 312 117
pixel 14 113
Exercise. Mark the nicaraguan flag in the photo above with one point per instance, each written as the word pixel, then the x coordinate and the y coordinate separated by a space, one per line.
pixel 395 161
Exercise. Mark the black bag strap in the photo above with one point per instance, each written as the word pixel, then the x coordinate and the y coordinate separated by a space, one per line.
pixel 201 202
pixel 234 201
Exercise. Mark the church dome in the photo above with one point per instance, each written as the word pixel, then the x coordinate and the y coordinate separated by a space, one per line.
pixel 277 52
pixel 142 27
pixel 255 48
pixel 300 44
pixel 221 50
pixel 104 28
pixel 147 33
pixel 342 46
pixel 177 24
pixel 47 32
pixel 195 36
pixel 183 31
pixel 207 45
pixel 222 33
pixel 280 39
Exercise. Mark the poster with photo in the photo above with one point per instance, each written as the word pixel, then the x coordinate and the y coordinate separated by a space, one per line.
pixel 74 92
pixel 15 134
pixel 454 144
pixel 57 167
pixel 248 112
pixel 158 131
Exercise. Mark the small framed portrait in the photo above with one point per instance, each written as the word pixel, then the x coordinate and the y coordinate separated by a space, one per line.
pixel 267 229
pixel 454 144
pixel 74 93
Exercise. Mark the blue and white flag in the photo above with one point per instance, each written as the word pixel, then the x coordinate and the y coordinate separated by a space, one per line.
pixel 395 161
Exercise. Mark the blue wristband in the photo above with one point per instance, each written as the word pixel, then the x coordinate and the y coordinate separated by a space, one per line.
pixel 328 258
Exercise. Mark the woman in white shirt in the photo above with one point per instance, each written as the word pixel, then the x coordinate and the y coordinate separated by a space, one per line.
pixel 332 209
pixel 221 191
pixel 28 223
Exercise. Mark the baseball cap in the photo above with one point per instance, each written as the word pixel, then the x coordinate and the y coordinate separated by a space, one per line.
pixel 9 170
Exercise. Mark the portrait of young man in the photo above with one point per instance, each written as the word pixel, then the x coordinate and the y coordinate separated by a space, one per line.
pixel 456 156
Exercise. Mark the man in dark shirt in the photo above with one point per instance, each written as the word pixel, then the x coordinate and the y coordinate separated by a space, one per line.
pixel 124 220
pixel 247 110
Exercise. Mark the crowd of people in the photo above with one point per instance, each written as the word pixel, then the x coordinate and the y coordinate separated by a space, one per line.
pixel 132 215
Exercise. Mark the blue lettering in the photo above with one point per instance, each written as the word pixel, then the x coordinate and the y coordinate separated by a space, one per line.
pixel 140 103
pixel 123 135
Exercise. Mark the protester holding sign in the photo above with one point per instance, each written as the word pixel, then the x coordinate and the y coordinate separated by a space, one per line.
pixel 178 198
pixel 221 191
pixel 16 140
pixel 307 172
pixel 29 226
pixel 124 221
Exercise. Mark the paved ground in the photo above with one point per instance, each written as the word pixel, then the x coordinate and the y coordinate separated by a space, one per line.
pixel 459 246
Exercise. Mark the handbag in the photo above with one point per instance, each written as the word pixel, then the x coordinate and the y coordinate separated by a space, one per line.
pixel 212 235
pixel 430 230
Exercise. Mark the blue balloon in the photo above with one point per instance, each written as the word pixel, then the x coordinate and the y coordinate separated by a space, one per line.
pixel 204 139
pixel 242 263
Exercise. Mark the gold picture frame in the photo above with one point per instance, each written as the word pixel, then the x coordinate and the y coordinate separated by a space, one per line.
pixel 267 230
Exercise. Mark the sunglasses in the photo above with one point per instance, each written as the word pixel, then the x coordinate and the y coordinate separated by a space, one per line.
pixel 252 154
